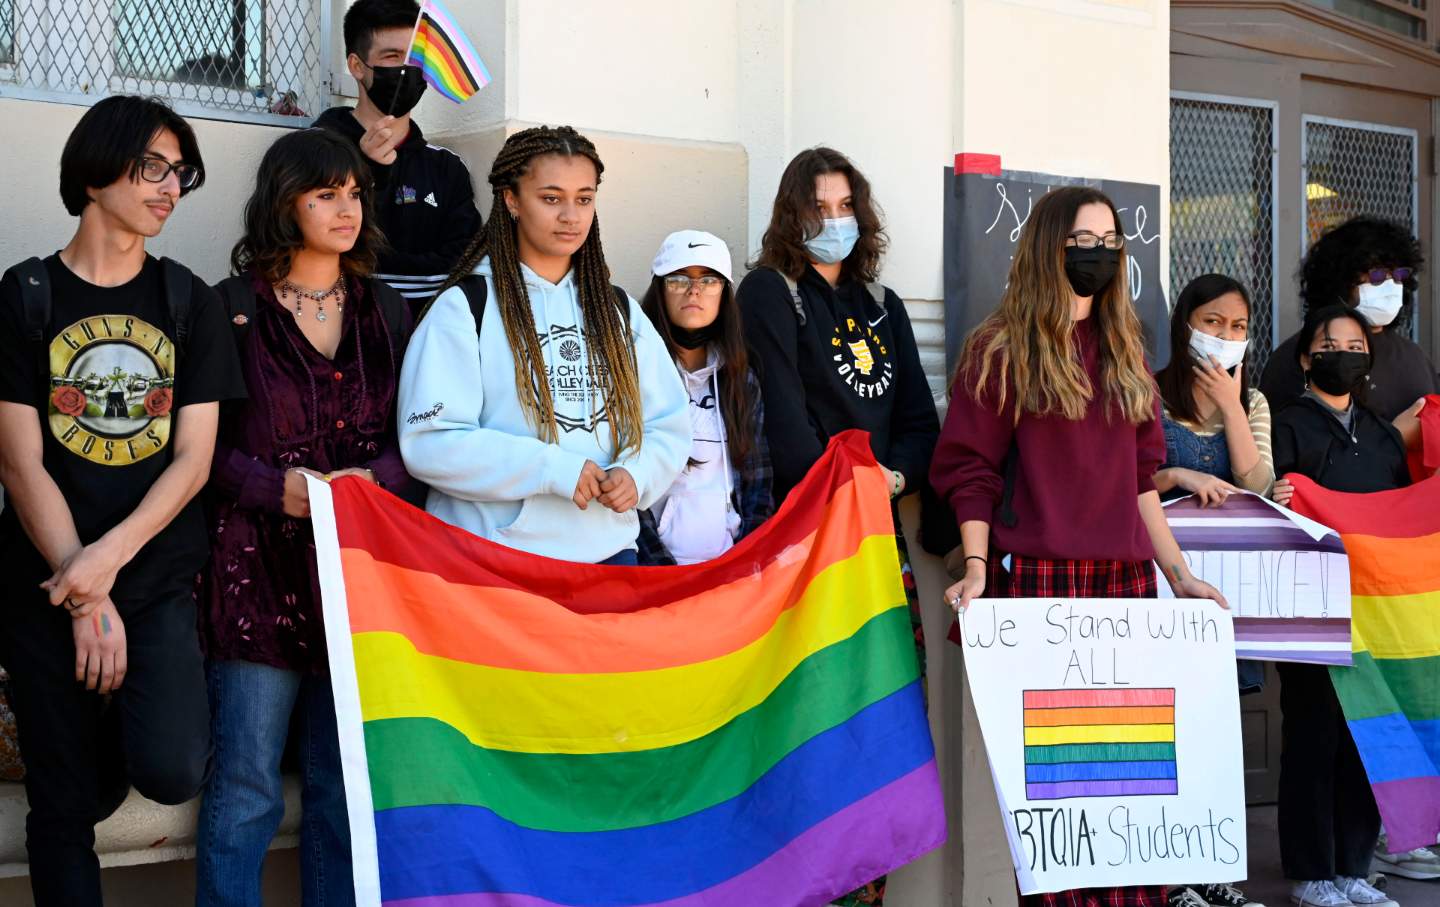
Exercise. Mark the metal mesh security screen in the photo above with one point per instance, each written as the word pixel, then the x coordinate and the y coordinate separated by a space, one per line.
pixel 251 59
pixel 1356 168
pixel 1222 196
pixel 7 31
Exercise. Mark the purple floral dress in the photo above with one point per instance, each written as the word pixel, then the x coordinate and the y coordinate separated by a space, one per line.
pixel 259 593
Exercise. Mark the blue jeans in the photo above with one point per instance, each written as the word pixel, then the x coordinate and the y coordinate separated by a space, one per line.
pixel 252 706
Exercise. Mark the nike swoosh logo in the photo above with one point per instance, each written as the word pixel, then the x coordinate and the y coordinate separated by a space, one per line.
pixel 880 319
pixel 696 245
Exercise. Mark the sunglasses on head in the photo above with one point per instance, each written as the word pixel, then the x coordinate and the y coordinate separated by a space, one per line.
pixel 1377 276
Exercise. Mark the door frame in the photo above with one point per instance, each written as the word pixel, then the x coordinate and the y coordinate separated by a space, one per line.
pixel 1274 107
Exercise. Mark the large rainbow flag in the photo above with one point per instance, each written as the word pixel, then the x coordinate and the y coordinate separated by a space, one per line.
pixel 524 732
pixel 1391 696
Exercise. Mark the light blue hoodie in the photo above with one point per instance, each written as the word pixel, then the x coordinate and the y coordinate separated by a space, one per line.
pixel 463 433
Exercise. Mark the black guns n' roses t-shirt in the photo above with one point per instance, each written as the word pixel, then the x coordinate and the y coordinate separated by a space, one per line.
pixel 107 411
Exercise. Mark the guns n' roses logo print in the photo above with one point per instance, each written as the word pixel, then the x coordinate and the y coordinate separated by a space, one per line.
pixel 112 383
pixel 862 359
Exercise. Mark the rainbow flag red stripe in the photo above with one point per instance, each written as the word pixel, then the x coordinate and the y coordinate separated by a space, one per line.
pixel 1391 697
pixel 447 58
pixel 522 731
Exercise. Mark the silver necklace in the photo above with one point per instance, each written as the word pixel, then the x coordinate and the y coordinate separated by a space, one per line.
pixel 317 296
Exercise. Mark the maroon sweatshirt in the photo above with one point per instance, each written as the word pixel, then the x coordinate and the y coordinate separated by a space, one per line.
pixel 1076 482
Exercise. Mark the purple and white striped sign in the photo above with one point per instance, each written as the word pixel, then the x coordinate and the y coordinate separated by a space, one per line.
pixel 1287 578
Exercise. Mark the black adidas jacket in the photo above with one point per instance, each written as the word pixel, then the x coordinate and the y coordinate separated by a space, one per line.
pixel 426 206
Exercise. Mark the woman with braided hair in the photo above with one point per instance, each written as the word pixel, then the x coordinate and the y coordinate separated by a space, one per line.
pixel 536 400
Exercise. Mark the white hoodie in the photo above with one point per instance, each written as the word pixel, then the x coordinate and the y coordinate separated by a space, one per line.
pixel 463 432
pixel 696 518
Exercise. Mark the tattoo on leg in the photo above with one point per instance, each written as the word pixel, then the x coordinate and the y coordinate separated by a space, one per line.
pixel 105 622
pixel 96 616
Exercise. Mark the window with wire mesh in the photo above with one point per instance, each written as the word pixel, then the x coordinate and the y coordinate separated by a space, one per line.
pixel 1352 170
pixel 7 31
pixel 1221 204
pixel 254 57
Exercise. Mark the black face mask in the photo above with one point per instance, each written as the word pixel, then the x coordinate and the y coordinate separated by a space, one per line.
pixel 1090 270
pixel 398 86
pixel 1338 372
pixel 694 340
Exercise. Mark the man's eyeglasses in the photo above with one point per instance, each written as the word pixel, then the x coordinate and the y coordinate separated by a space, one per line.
pixel 679 283
pixel 155 169
pixel 1084 239
pixel 1377 276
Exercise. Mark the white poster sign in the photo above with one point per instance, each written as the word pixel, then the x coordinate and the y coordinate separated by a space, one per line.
pixel 1113 731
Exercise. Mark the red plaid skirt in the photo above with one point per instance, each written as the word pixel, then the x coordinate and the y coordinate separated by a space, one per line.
pixel 1032 577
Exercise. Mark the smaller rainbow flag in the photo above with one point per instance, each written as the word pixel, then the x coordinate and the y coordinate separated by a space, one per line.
pixel 443 53
pixel 1099 743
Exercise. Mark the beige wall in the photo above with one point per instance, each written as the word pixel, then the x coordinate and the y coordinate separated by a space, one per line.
pixel 651 187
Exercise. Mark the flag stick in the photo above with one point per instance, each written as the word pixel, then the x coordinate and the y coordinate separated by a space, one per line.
pixel 409 47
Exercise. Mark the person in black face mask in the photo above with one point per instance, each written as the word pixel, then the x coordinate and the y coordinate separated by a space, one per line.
pixel 724 493
pixel 424 198
pixel 1328 820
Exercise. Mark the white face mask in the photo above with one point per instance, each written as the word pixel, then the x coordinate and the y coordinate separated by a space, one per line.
pixel 1230 353
pixel 1381 304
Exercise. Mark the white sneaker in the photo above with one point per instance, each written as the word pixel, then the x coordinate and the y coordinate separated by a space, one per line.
pixel 1360 891
pixel 1420 863
pixel 1319 894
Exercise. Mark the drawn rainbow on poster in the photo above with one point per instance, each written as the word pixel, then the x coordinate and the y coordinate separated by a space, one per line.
pixel 1099 743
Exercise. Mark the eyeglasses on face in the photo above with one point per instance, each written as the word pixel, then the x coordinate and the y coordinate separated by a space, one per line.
pixel 155 169
pixel 1377 276
pixel 679 283
pixel 1084 239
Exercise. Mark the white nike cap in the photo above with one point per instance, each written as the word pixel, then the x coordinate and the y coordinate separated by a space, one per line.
pixel 684 248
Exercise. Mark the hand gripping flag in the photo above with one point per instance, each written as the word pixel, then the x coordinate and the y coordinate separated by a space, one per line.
pixel 448 60
pixel 1391 697
pixel 524 732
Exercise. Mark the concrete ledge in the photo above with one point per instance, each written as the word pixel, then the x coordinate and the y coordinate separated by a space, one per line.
pixel 139 832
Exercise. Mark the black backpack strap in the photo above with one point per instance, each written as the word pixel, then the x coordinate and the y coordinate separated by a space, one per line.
pixel 622 299
pixel 239 298
pixel 179 286
pixel 794 289
pixel 34 282
pixel 392 309
pixel 1006 516
pixel 473 286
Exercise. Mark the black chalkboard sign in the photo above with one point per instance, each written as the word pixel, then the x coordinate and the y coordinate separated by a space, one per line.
pixel 983 217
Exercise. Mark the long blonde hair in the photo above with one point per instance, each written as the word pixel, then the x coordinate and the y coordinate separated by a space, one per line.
pixel 1028 340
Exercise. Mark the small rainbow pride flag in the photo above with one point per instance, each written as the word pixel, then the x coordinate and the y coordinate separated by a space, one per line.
pixel 524 732
pixel 1099 743
pixel 1391 697
pixel 443 53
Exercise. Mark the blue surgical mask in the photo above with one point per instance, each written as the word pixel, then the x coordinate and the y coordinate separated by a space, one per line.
pixel 837 237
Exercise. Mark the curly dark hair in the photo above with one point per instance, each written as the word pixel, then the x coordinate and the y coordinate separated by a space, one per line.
pixel 1177 378
pixel 1335 261
pixel 295 164
pixel 794 218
